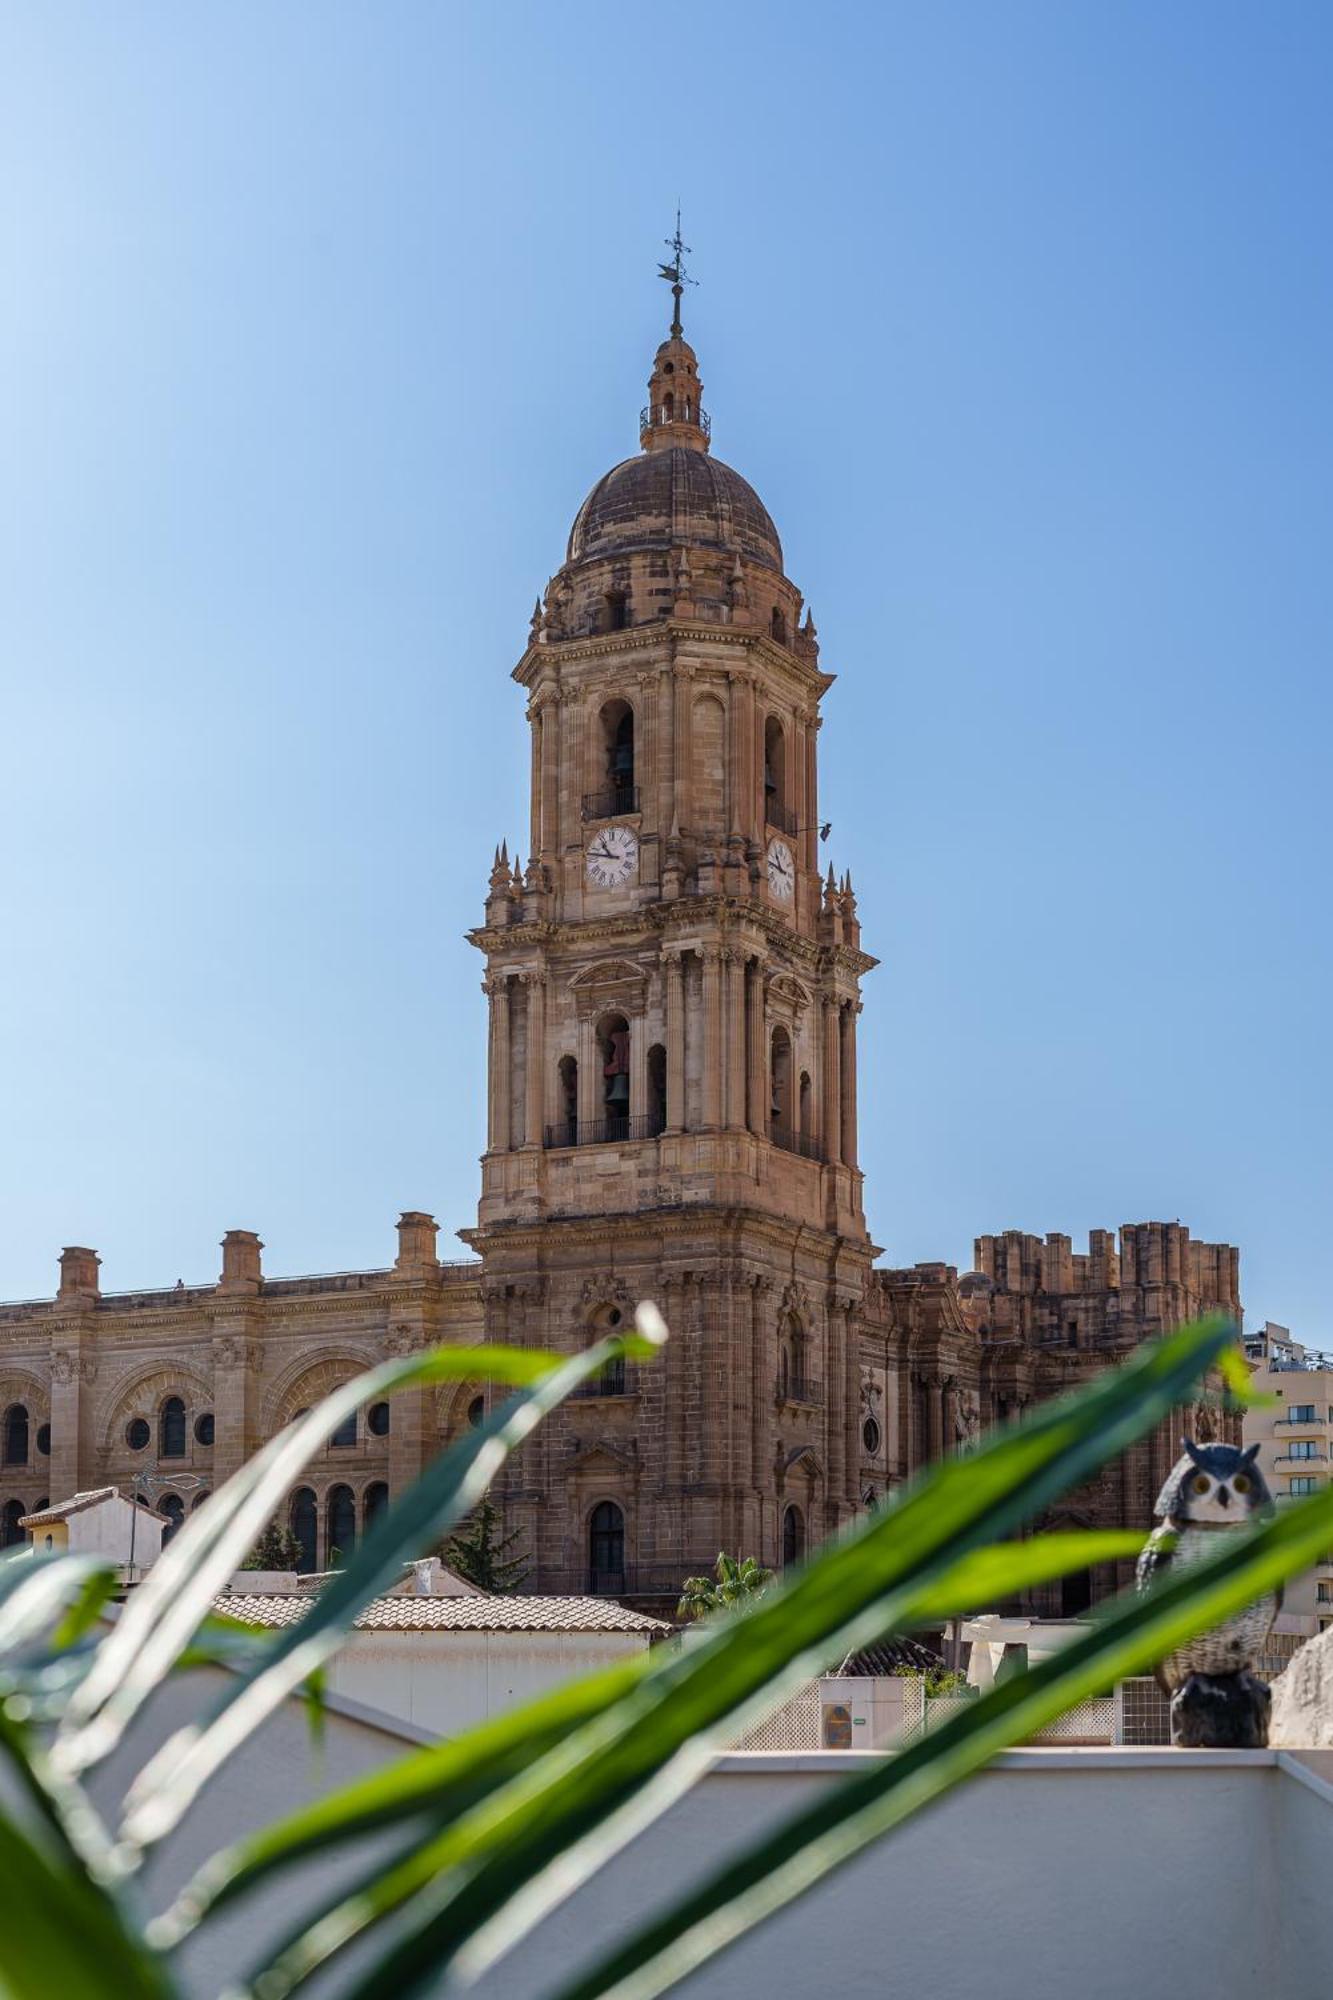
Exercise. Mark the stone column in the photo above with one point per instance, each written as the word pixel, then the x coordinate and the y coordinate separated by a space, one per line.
pixel 666 777
pixel 550 791
pixel 712 1024
pixel 675 1042
pixel 684 694
pixel 638 1067
pixel 592 1102
pixel 847 1030
pixel 734 1003
pixel 497 1124
pixel 537 1061
pixel 756 1109
pixel 832 1092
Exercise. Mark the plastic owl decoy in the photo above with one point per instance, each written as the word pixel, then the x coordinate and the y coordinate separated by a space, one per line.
pixel 1217 1701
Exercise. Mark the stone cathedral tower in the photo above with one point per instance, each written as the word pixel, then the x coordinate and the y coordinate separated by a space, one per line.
pixel 672 1055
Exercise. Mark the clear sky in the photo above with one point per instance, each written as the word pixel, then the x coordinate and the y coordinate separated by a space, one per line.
pixel 318 322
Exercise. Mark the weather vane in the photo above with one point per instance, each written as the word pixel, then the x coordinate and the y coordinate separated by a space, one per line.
pixel 675 273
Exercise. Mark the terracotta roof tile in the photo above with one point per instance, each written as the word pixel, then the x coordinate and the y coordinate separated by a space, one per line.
pixel 456 1614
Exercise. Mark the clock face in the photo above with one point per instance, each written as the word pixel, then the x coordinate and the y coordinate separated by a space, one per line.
pixel 781 870
pixel 613 856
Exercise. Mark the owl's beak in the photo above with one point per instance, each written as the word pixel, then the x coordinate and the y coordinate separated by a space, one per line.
pixel 1223 1497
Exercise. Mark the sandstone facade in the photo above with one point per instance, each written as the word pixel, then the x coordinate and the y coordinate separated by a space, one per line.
pixel 674 993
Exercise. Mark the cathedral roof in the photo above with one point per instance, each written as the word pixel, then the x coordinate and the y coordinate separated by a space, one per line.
pixel 666 497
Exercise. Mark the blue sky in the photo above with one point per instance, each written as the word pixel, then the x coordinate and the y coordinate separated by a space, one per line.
pixel 319 321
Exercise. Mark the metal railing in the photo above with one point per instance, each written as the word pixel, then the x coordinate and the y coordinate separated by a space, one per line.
pixel 782 817
pixel 606 805
pixel 653 415
pixel 788 1141
pixel 601 1131
pixel 793 1389
pixel 1301 1458
pixel 1292 1422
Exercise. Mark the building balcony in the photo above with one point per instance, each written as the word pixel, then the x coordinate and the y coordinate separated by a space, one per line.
pixel 1289 1422
pixel 601 1131
pixel 789 1141
pixel 653 415
pixel 1302 1458
pixel 789 1390
pixel 611 803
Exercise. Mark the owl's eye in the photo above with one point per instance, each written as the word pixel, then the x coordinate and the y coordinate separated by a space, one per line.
pixel 1200 1482
pixel 1240 1484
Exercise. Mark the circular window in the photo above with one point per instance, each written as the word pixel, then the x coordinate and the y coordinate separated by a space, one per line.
pixel 613 1316
pixel 44 1440
pixel 377 1420
pixel 137 1433
pixel 476 1412
pixel 203 1428
pixel 870 1436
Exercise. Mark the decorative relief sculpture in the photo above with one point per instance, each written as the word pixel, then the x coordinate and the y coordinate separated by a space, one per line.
pixel 1217 1700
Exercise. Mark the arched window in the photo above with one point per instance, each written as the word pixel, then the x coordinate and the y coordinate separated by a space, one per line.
pixel 171 1429
pixel 657 1090
pixel 11 1535
pixel 775 772
pixel 777 626
pixel 779 1105
pixel 198 1501
pixel 44 1440
pixel 612 1380
pixel 613 1043
pixel 340 1524
pixel 793 1372
pixel 617 617
pixel 617 722
pixel 373 1505
pixel 793 1537
pixel 377 1420
pixel 345 1435
pixel 305 1527
pixel 805 1101
pixel 606 1547
pixel 16 1434
pixel 476 1412
pixel 204 1429
pixel 668 408
pixel 173 1507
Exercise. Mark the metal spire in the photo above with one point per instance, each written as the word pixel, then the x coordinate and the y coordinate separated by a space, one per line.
pixel 676 275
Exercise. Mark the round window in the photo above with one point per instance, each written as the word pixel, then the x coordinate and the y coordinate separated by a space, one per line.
pixel 137 1433
pixel 44 1440
pixel 870 1437
pixel 203 1428
pixel 377 1420
pixel 614 1316
pixel 476 1412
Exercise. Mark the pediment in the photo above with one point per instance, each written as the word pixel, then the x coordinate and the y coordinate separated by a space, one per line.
pixel 601 1455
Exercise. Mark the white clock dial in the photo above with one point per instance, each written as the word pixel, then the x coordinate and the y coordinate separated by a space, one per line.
pixel 612 857
pixel 781 870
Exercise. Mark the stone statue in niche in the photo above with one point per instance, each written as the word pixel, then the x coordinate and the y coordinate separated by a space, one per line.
pixel 1217 1700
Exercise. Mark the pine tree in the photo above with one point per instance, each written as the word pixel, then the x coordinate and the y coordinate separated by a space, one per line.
pixel 277 1548
pixel 480 1556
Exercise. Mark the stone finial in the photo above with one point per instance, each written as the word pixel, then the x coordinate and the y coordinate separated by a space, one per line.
pixel 78 1274
pixel 417 1235
pixel 535 628
pixel 242 1271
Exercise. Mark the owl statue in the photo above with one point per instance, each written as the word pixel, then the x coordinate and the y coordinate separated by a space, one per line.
pixel 1217 1702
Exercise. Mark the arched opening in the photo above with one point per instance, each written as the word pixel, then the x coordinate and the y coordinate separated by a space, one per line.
pixel 793 1360
pixel 476 1412
pixel 171 1429
pixel 305 1527
pixel 340 1525
pixel 668 367
pixel 612 1381
pixel 613 1045
pixel 13 1536
pixel 779 1081
pixel 777 625
pixel 198 1501
pixel 16 1434
pixel 805 1105
pixel 344 1438
pixel 616 611
pixel 44 1440
pixel 793 1537
pixel 373 1504
pixel 689 409
pixel 378 1419
pixel 566 1132
pixel 606 1547
pixel 668 408
pixel 617 720
pixel 204 1429
pixel 775 773
pixel 657 1097
pixel 173 1507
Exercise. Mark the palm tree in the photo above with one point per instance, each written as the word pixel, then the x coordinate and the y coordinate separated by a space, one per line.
pixel 737 1579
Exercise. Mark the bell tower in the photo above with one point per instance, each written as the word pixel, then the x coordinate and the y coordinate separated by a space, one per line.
pixel 673 993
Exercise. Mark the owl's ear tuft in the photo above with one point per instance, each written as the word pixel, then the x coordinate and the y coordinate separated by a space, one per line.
pixel 1248 1456
pixel 1192 1451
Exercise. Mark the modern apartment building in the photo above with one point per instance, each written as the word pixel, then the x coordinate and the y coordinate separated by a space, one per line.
pixel 1294 1430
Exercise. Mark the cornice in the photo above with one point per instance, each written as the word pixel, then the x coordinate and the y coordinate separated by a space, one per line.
pixel 640 638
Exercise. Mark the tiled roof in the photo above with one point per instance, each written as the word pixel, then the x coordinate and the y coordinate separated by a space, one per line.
pixel 64 1508
pixel 456 1614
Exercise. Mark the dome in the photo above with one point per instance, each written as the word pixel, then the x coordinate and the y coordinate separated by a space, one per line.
pixel 674 495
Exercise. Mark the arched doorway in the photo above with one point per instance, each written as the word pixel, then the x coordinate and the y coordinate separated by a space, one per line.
pixel 793 1537
pixel 305 1527
pixel 606 1548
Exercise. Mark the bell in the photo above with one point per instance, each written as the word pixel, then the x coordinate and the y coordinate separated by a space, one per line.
pixel 617 1093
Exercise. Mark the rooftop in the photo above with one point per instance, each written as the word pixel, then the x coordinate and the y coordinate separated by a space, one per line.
pixel 454 1614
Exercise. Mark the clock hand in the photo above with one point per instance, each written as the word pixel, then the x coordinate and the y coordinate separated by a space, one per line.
pixel 602 853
